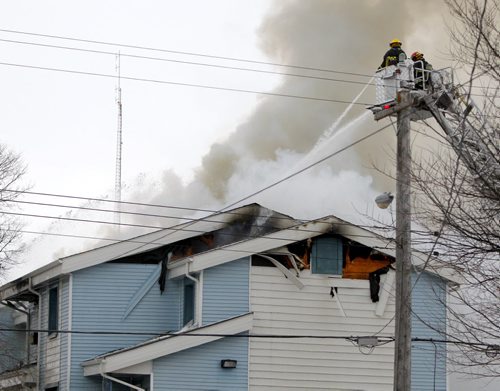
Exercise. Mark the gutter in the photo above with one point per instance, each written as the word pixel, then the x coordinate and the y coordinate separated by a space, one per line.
pixel 30 289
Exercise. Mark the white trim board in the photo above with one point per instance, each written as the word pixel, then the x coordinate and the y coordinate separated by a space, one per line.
pixel 163 346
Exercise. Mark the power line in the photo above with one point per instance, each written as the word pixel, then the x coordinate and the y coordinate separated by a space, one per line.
pixel 386 228
pixel 186 62
pixel 116 201
pixel 105 75
pixel 170 229
pixel 187 334
pixel 207 64
pixel 192 333
pixel 181 52
pixel 168 217
pixel 74 39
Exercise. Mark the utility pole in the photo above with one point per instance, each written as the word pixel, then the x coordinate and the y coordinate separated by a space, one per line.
pixel 118 165
pixel 402 351
pixel 406 104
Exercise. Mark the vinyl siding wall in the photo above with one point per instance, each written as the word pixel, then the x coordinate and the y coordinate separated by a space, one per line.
pixel 101 295
pixel 316 364
pixel 34 325
pixel 50 353
pixel 428 321
pixel 225 295
pixel 198 369
pixel 64 338
pixel 225 291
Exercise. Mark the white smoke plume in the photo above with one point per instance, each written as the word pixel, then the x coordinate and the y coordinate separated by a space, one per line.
pixel 284 135
pixel 339 35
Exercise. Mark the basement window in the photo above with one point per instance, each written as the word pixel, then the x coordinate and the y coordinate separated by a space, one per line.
pixel 327 256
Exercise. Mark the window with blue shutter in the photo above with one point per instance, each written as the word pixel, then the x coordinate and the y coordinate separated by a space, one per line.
pixel 327 256
pixel 188 312
pixel 53 310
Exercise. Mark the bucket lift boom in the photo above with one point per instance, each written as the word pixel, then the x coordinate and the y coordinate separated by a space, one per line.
pixel 477 144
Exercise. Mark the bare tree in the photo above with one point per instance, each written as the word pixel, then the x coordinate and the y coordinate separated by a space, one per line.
pixel 11 187
pixel 458 190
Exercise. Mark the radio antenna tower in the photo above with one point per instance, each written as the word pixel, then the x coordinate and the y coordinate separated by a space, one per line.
pixel 118 168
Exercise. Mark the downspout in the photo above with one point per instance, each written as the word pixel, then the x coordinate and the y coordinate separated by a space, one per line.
pixel 30 289
pixel 70 328
pixel 114 379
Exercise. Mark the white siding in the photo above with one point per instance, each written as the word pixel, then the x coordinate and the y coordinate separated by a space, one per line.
pixel 52 344
pixel 316 364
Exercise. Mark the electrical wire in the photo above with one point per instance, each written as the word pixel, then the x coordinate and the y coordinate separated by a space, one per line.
pixel 173 229
pixel 213 65
pixel 152 215
pixel 177 334
pixel 180 52
pixel 188 62
pixel 227 89
pixel 97 42
pixel 385 339
pixel 166 217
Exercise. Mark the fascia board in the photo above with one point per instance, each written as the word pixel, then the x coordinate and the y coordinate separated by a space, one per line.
pixel 248 247
pixel 13 290
pixel 38 277
pixel 151 351
pixel 131 247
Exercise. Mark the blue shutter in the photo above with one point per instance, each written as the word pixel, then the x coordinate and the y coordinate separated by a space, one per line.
pixel 53 310
pixel 188 301
pixel 327 256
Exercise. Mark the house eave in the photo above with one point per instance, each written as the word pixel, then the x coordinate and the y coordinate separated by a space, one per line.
pixel 248 247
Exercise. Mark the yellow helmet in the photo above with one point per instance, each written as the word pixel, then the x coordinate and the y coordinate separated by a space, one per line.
pixel 395 43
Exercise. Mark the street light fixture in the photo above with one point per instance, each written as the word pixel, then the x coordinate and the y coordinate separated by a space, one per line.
pixel 384 200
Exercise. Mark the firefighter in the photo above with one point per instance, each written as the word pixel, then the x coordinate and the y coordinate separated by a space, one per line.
pixel 391 57
pixel 421 70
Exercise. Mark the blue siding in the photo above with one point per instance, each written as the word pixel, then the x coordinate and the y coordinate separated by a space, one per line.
pixel 428 366
pixel 226 291
pixel 101 296
pixel 42 337
pixel 199 368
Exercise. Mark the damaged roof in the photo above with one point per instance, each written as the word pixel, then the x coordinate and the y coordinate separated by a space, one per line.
pixel 251 229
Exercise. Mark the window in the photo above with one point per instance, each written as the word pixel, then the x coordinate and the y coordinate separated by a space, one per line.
pixel 53 311
pixel 189 291
pixel 327 256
